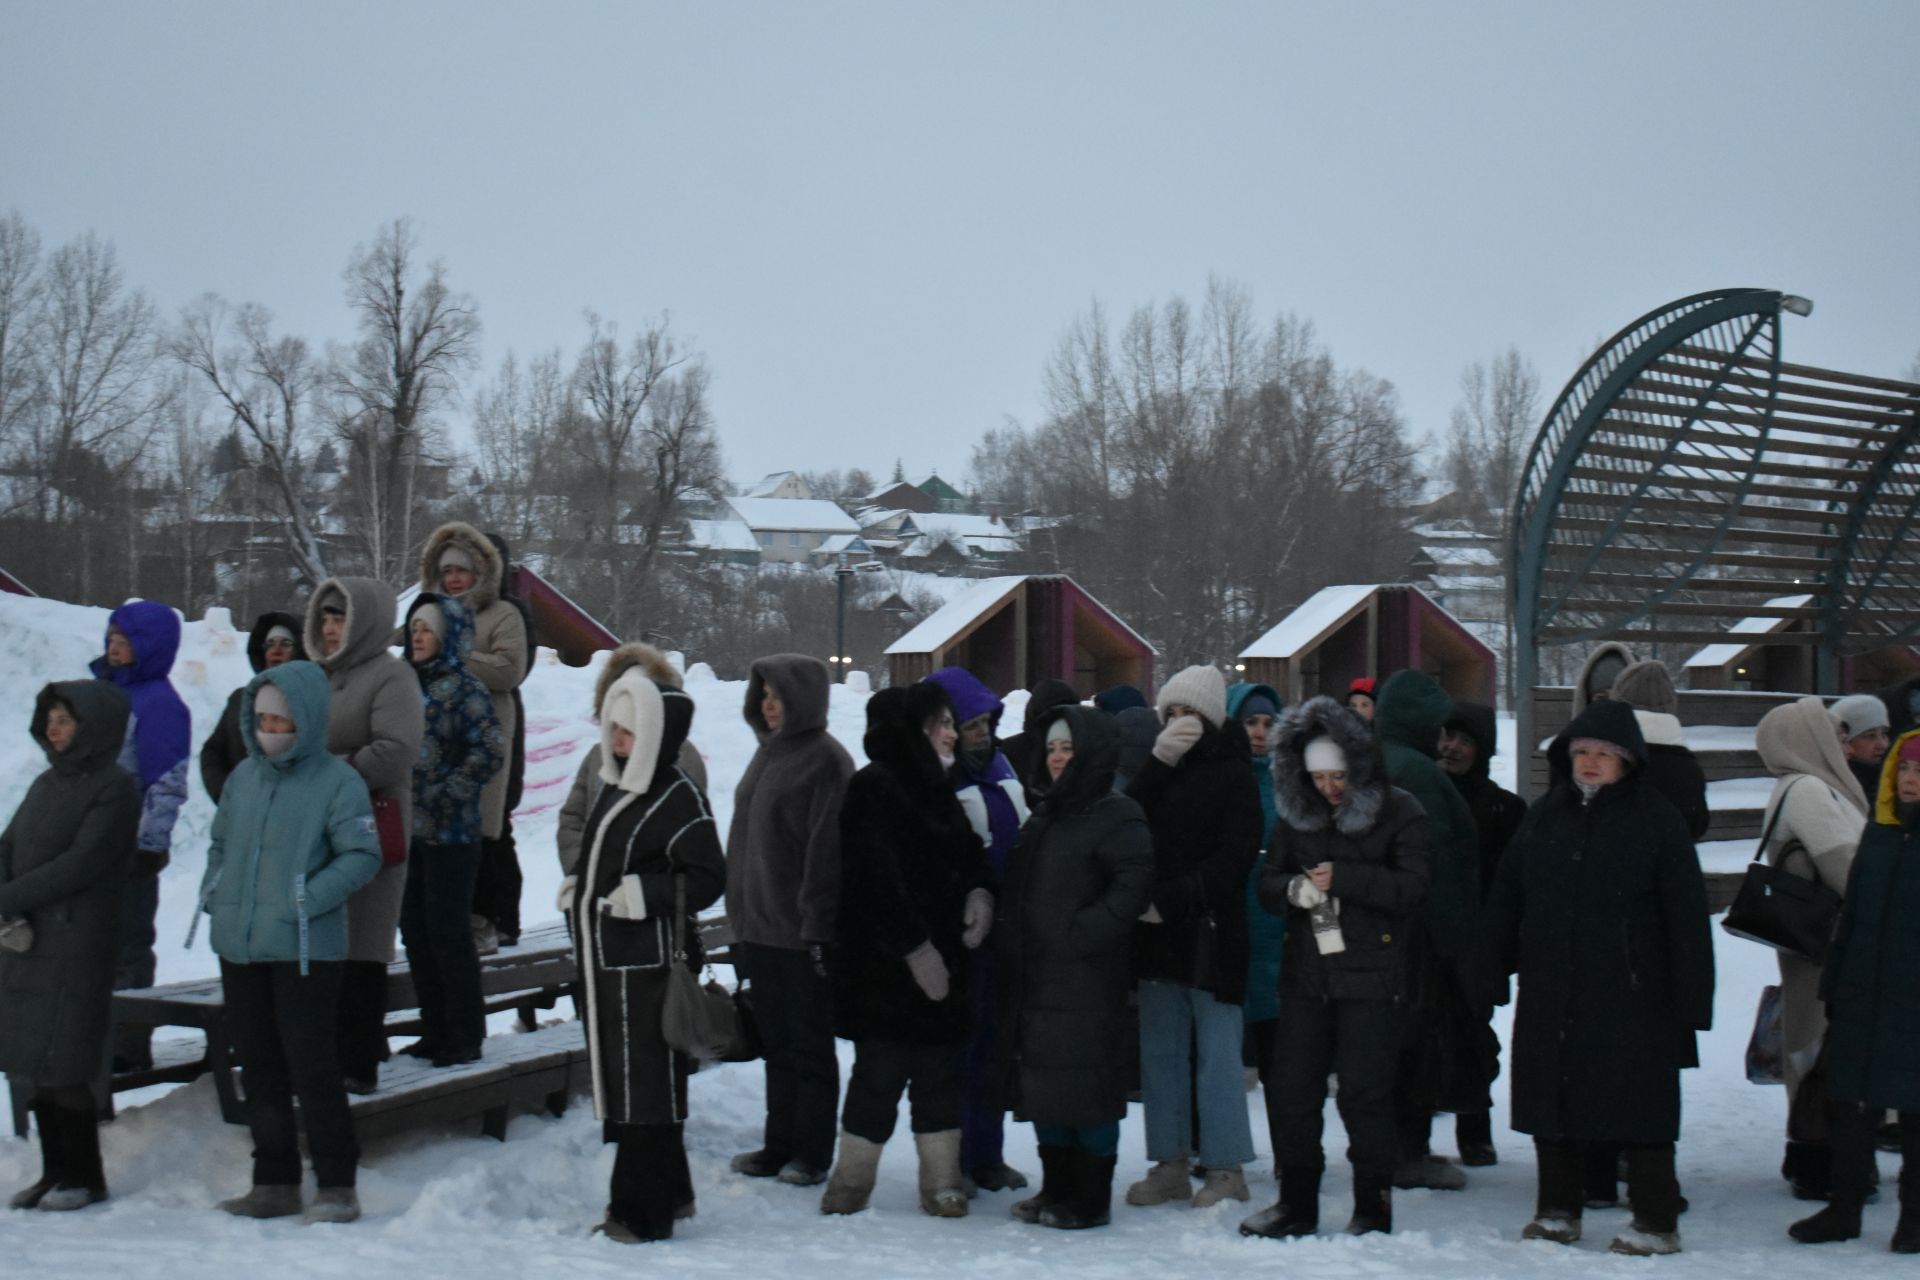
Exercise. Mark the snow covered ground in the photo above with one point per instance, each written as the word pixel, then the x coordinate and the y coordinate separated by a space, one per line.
pixel 445 1203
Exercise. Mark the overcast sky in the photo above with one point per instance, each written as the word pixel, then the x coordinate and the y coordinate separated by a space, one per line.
pixel 876 219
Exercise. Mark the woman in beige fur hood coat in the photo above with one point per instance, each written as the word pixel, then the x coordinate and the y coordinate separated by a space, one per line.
pixel 1822 812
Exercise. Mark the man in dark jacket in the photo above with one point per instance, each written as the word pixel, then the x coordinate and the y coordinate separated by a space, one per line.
pixel 275 639
pixel 1442 1068
pixel 1467 743
pixel 783 889
pixel 1024 750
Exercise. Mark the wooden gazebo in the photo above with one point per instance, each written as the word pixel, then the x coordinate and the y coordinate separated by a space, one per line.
pixel 1012 631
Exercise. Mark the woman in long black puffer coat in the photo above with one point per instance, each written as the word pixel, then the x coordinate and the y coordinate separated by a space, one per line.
pixel 64 860
pixel 913 902
pixel 1600 908
pixel 648 826
pixel 1079 877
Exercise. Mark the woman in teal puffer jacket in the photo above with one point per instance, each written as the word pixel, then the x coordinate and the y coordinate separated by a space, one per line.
pixel 294 836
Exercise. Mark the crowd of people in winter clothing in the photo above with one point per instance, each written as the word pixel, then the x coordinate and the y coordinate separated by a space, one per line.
pixel 1133 898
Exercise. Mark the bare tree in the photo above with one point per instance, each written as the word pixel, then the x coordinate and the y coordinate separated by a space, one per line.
pixel 1491 426
pixel 416 336
pixel 517 421
pixel 266 384
pixel 22 388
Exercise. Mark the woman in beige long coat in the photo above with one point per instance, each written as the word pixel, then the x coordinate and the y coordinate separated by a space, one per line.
pixel 1822 812
pixel 374 723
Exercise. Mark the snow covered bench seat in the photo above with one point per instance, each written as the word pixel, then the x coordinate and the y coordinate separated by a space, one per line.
pixel 519 1072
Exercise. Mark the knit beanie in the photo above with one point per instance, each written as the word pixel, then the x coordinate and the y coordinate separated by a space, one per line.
pixel 1365 685
pixel 1910 749
pixel 1646 686
pixel 1257 704
pixel 269 701
pixel 1859 713
pixel 1059 731
pixel 434 617
pixel 455 556
pixel 1324 755
pixel 1201 687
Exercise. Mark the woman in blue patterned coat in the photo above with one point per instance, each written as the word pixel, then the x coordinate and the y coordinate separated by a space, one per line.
pixel 462 748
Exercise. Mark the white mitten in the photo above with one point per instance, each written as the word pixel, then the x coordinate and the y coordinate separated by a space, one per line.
pixel 1151 915
pixel 929 971
pixel 1304 894
pixel 627 901
pixel 564 901
pixel 978 918
pixel 1176 739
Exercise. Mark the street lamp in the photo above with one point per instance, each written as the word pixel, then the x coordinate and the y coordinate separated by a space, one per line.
pixel 841 574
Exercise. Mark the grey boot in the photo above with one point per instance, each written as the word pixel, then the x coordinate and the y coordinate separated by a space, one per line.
pixel 272 1200
pixel 333 1204
pixel 853 1174
pixel 942 1192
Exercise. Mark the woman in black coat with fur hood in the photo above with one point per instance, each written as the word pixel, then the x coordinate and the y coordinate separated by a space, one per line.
pixel 913 902
pixel 1600 909
pixel 1349 862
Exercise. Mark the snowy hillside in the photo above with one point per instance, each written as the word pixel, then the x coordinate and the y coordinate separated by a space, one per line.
pixel 445 1203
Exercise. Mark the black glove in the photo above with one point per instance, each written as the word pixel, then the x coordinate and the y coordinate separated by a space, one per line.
pixel 150 862
pixel 817 952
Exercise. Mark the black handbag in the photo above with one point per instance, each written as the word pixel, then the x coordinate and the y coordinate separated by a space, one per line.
pixel 1779 909
pixel 699 1018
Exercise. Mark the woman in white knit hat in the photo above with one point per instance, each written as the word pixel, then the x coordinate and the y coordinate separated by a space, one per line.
pixel 1203 806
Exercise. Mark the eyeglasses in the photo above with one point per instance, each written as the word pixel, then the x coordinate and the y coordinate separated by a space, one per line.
pixel 277 643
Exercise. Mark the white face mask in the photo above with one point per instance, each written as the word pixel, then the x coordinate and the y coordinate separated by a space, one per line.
pixel 275 744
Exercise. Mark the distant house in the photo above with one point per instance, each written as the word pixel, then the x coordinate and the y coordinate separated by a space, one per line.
pixel 1342 633
pixel 900 496
pixel 729 541
pixel 945 496
pixel 850 545
pixel 781 484
pixel 1013 631
pixel 791 529
pixel 986 538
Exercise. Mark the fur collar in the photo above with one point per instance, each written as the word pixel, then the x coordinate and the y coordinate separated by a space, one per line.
pixel 487 567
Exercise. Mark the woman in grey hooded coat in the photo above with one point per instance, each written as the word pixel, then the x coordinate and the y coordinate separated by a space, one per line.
pixel 375 722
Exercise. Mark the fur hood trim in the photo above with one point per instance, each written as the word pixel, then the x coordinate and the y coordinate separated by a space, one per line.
pixel 487 565
pixel 1294 798
pixel 653 665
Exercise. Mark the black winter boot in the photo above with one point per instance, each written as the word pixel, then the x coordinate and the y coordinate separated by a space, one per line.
pixel 1372 1206
pixel 1906 1232
pixel 1808 1169
pixel 1088 1201
pixel 52 1157
pixel 82 1180
pixel 1297 1213
pixel 1840 1220
pixel 1054 1178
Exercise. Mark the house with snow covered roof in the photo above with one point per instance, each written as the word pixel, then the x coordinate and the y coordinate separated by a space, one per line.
pixel 1011 632
pixel 781 484
pixel 791 529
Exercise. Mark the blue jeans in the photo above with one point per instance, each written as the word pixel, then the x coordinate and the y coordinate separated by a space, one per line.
pixel 1181 1029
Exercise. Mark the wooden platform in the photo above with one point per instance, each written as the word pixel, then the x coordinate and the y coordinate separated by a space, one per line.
pixel 518 1073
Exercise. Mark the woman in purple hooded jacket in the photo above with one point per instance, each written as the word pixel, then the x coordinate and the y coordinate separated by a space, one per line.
pixel 995 802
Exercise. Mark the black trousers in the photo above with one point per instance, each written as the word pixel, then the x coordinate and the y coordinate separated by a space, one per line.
pixel 1856 1132
pixel 1652 1189
pixel 929 1074
pixel 437 927
pixel 282 1028
pixel 1360 1041
pixel 793 1009
pixel 1258 1052
pixel 650 1177
pixel 361 1019
pixel 496 887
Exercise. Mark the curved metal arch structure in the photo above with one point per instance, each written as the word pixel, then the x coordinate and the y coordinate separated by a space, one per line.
pixel 1688 477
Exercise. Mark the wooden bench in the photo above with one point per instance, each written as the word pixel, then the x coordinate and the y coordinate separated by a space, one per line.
pixel 517 1073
